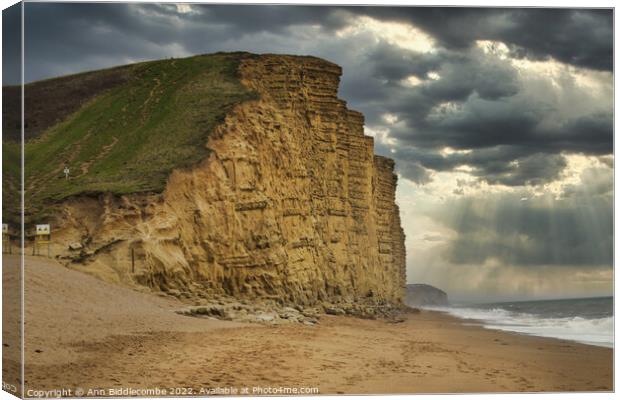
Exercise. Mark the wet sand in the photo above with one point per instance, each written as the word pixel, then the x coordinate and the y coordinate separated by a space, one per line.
pixel 82 332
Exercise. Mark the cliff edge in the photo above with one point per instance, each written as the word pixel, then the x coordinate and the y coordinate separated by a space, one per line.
pixel 289 203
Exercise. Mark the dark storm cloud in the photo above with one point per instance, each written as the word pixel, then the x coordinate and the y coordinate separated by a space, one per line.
pixel 579 37
pixel 535 169
pixel 511 145
pixel 250 19
pixel 11 44
pixel 393 64
pixel 479 105
pixel 513 153
pixel 506 165
pixel 486 124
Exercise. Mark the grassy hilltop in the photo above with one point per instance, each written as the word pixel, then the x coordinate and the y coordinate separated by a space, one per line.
pixel 119 130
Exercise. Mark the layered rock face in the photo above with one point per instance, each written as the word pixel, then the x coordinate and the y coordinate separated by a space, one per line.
pixel 291 204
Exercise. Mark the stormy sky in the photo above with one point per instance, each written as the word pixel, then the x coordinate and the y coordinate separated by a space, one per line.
pixel 500 119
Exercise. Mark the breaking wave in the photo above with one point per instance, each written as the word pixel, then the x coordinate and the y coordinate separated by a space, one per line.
pixel 594 331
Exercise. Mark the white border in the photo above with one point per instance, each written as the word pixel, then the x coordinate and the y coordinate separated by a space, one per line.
pixel 459 3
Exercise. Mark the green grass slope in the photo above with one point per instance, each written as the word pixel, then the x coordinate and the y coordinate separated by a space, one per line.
pixel 130 136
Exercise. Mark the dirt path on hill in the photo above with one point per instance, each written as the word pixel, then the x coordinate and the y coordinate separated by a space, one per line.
pixel 105 150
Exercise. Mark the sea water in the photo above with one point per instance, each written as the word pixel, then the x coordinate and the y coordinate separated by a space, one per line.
pixel 588 320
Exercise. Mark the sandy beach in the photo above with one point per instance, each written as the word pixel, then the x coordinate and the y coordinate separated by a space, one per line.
pixel 83 333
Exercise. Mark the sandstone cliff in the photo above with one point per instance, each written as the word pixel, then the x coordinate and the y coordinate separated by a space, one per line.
pixel 290 204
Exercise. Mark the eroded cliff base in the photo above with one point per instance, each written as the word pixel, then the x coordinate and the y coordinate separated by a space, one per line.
pixel 274 313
